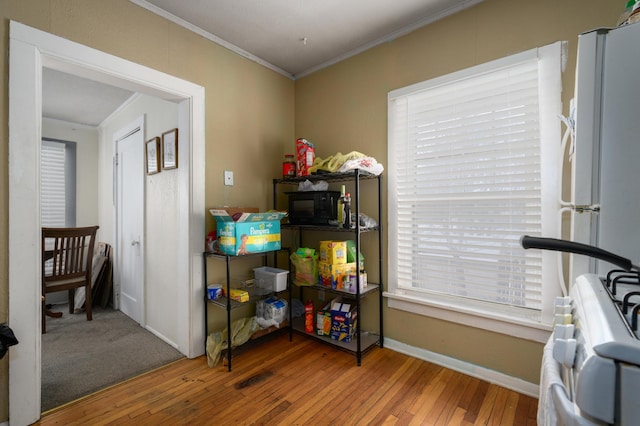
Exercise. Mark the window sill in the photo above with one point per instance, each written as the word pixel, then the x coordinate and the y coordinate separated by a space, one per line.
pixel 473 317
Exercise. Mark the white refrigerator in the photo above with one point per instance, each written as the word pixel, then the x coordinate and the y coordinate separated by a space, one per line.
pixel 606 155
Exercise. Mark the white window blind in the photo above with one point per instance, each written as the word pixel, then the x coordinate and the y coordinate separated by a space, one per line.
pixel 467 181
pixel 52 184
pixel 58 183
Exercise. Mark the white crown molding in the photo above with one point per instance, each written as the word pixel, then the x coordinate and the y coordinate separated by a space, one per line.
pixel 390 37
pixel 179 21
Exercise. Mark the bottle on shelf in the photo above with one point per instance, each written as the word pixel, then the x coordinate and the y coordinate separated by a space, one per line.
pixel 341 207
pixel 288 166
pixel 347 211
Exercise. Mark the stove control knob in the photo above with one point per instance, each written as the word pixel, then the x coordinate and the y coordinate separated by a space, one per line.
pixel 563 331
pixel 562 309
pixel 564 351
pixel 562 319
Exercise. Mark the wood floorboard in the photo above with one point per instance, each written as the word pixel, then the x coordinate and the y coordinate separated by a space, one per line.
pixel 301 382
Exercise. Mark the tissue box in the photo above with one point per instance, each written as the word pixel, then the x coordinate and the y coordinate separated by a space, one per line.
pixel 343 321
pixel 250 233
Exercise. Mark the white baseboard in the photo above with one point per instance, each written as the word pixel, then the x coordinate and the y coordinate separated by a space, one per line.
pixel 491 376
pixel 163 338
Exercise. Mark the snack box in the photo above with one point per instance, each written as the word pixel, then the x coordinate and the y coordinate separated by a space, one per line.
pixel 343 321
pixel 349 283
pixel 238 295
pixel 351 253
pixel 323 319
pixel 334 252
pixel 335 275
pixel 250 233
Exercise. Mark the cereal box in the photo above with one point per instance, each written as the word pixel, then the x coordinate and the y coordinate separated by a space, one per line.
pixel 343 321
pixel 305 156
pixel 334 252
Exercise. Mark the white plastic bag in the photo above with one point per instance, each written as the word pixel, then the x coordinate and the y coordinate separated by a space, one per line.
pixel 307 185
pixel 368 164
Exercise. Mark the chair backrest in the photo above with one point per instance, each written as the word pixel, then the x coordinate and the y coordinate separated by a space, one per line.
pixel 70 251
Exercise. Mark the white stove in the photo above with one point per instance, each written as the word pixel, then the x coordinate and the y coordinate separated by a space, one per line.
pixel 591 363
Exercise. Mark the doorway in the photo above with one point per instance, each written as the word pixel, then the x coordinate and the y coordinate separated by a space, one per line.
pixel 30 51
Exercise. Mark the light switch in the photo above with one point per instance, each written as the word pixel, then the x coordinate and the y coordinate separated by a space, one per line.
pixel 228 178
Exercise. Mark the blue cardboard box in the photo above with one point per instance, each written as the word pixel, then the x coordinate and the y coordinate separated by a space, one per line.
pixel 251 233
pixel 343 320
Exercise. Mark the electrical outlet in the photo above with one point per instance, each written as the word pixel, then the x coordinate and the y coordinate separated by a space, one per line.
pixel 228 178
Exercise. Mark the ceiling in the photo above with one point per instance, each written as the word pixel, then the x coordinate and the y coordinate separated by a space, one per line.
pixel 292 37
pixel 77 100
pixel 300 36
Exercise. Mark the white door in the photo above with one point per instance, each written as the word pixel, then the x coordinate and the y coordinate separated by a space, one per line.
pixel 129 198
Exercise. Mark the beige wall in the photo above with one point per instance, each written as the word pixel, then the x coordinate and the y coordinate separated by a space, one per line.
pixel 344 108
pixel 249 109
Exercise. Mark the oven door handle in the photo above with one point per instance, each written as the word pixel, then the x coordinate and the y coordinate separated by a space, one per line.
pixel 564 408
pixel 554 405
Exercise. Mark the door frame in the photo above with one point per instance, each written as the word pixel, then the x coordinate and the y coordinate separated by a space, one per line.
pixel 29 51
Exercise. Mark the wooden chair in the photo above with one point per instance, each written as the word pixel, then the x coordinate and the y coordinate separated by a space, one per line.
pixel 67 256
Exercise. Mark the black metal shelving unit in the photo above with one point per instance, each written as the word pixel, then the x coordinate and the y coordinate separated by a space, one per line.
pixel 364 340
pixel 228 304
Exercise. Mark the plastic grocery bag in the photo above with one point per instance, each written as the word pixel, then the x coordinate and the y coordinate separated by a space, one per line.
pixel 241 331
pixel 306 267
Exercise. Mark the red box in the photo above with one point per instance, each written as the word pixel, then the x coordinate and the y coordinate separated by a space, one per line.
pixel 305 156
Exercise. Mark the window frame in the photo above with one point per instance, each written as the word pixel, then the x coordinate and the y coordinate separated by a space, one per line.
pixel 551 59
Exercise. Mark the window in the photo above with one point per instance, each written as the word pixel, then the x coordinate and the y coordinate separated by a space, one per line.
pixel 58 183
pixel 473 166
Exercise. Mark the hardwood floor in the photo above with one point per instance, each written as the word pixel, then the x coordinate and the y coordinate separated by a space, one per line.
pixel 301 383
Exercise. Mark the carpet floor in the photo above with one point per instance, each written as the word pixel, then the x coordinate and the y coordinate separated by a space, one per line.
pixel 80 357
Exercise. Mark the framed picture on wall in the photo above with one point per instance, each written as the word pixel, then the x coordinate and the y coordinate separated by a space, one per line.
pixel 170 149
pixel 152 155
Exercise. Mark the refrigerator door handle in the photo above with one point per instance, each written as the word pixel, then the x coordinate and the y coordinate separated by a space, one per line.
pixel 593 208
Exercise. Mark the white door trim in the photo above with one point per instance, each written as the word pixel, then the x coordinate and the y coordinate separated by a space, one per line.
pixel 31 49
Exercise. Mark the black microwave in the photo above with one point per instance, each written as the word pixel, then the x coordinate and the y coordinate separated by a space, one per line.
pixel 313 207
